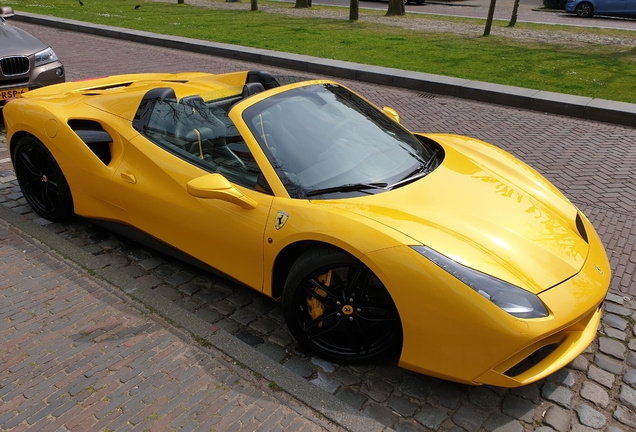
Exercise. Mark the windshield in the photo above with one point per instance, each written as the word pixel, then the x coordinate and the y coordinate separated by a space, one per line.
pixel 326 140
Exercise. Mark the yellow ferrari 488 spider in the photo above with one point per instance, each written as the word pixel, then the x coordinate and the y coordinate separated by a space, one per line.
pixel 440 247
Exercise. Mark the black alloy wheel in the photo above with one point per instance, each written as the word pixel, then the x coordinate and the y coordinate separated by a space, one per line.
pixel 338 309
pixel 41 180
pixel 585 10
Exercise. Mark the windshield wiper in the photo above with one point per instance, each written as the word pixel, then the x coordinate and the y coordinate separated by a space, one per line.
pixel 421 171
pixel 352 187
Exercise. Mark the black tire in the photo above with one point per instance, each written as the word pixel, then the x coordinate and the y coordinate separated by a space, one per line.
pixel 41 180
pixel 585 10
pixel 354 318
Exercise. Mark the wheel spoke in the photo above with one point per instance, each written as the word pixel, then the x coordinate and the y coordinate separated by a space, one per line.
pixel 358 279
pixel 310 288
pixel 358 337
pixel 326 328
pixel 49 198
pixel 25 158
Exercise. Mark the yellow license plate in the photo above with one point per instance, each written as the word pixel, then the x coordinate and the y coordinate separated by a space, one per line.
pixel 8 94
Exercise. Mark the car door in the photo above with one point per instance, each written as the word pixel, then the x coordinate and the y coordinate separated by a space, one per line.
pixel 190 181
pixel 609 7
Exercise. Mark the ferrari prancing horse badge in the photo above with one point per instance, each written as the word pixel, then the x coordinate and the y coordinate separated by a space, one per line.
pixel 281 218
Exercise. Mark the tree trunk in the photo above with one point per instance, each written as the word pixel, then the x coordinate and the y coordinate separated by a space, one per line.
pixel 254 5
pixel 354 10
pixel 302 4
pixel 513 18
pixel 396 8
pixel 491 14
pixel 180 1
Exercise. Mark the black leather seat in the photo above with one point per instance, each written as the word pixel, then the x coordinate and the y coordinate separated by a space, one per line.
pixel 252 88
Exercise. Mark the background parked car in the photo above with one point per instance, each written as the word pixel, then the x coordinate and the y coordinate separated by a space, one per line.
pixel 589 8
pixel 26 62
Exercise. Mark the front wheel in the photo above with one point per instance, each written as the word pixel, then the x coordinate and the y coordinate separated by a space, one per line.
pixel 338 309
pixel 585 10
pixel 41 180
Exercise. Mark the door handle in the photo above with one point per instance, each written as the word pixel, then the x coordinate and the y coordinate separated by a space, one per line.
pixel 129 177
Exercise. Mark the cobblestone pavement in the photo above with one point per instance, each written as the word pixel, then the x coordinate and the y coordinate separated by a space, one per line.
pixel 593 163
pixel 76 357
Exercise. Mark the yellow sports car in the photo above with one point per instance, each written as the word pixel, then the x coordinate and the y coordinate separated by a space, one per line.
pixel 439 247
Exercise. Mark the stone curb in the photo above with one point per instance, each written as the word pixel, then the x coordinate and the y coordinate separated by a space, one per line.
pixel 620 113
pixel 325 403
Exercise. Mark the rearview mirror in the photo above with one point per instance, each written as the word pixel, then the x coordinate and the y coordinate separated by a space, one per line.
pixel 215 186
pixel 391 113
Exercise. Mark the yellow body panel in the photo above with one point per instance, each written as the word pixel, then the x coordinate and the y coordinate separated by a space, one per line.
pixel 481 207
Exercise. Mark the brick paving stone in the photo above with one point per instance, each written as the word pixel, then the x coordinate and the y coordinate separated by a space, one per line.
pixel 558 418
pixel 326 383
pixel 529 392
pixel 627 395
pixel 431 417
pixel 323 364
pixel 563 376
pixel 273 351
pixel 402 406
pixel 300 367
pixel 381 414
pixel 519 408
pixel 625 416
pixel 615 321
pixel 409 426
pixel 352 397
pixel 469 418
pixel 595 394
pixel 600 376
pixel 417 386
pixel 557 393
pixel 376 388
pixel 588 416
pixel 610 365
pixel 498 422
pixel 630 378
pixel 484 398
pixel 612 347
pixel 449 394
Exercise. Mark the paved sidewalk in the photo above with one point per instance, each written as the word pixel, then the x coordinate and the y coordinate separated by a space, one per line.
pixel 78 356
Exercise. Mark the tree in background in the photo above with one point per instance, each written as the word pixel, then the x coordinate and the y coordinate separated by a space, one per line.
pixel 354 10
pixel 491 14
pixel 513 18
pixel 303 4
pixel 255 5
pixel 396 8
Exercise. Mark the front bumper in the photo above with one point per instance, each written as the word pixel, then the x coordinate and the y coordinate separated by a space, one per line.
pixel 48 74
pixel 453 333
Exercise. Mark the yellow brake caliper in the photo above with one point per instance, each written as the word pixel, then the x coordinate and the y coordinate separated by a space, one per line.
pixel 316 308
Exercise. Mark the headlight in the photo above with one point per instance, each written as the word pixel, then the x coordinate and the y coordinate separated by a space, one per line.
pixel 511 299
pixel 44 57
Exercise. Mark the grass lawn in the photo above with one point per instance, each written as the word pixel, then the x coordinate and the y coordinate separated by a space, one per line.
pixel 601 71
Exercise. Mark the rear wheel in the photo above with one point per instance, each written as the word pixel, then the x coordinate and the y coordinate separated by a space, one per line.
pixel 585 10
pixel 41 180
pixel 337 308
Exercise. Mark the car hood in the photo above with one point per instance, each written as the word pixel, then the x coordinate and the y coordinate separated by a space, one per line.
pixel 15 41
pixel 486 210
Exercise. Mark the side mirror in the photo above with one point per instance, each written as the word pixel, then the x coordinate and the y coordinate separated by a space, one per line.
pixel 215 186
pixel 391 113
pixel 6 12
